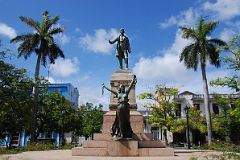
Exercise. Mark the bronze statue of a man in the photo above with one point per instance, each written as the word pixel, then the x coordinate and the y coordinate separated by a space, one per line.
pixel 123 48
pixel 121 128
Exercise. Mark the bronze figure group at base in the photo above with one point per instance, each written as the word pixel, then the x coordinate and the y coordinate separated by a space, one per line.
pixel 121 128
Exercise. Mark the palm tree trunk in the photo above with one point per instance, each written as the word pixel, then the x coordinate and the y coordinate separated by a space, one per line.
pixel 35 106
pixel 206 104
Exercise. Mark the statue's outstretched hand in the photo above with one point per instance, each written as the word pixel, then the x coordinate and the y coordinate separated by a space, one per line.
pixel 103 85
pixel 110 42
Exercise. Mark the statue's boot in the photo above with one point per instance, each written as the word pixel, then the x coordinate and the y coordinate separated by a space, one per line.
pixel 126 62
pixel 120 63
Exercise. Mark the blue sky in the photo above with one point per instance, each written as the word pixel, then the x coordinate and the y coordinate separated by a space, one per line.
pixel 153 29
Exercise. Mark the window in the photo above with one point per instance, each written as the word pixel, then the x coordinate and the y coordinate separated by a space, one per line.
pixel 215 108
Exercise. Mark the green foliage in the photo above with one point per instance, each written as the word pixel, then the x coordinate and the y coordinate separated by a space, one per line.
pixel 42 40
pixel 233 62
pixel 202 48
pixel 16 100
pixel 92 118
pixel 223 146
pixel 196 122
pixel 227 122
pixel 52 109
pixel 163 109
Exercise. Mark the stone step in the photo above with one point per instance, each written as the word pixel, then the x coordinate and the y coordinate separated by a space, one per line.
pixel 143 136
pixel 102 137
pixel 155 152
pixel 123 148
pixel 79 151
pixel 150 144
pixel 95 144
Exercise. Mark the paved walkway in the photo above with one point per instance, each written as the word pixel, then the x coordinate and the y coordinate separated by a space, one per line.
pixel 66 155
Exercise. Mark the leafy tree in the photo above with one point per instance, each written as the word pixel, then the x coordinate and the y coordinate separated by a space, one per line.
pixel 92 119
pixel 53 108
pixel 201 49
pixel 163 111
pixel 233 62
pixel 196 122
pixel 227 122
pixel 16 100
pixel 42 42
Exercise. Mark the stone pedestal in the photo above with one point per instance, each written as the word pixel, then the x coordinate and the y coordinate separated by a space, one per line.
pixel 136 120
pixel 142 143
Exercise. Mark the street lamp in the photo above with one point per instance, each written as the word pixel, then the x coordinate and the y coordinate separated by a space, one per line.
pixel 63 113
pixel 186 111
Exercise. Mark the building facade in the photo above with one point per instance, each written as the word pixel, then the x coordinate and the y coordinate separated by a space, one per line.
pixel 182 100
pixel 67 90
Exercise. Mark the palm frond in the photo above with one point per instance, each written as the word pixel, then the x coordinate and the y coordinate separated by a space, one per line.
pixel 188 32
pixel 54 20
pixel 55 31
pixel 31 22
pixel 22 38
pixel 209 27
pixel 217 42
pixel 189 56
pixel 27 47
pixel 213 55
pixel 55 52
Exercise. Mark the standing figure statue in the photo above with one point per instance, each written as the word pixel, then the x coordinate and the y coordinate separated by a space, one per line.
pixel 123 48
pixel 121 128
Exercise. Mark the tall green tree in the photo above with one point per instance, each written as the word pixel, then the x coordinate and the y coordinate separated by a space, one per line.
pixel 232 60
pixel 92 118
pixel 41 42
pixel 163 109
pixel 16 100
pixel 200 50
pixel 228 121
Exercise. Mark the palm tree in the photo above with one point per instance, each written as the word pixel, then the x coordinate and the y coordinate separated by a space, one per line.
pixel 199 51
pixel 41 41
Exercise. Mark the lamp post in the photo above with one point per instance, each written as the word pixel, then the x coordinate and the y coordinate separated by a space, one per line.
pixel 63 113
pixel 188 138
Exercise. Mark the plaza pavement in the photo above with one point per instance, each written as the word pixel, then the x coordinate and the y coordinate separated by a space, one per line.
pixel 66 155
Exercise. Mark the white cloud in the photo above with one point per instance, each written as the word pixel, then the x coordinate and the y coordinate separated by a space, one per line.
pixel 63 38
pixel 232 29
pixel 223 9
pixel 187 17
pixel 169 71
pixel 93 95
pixel 51 79
pixel 7 31
pixel 166 67
pixel 77 30
pixel 65 67
pixel 219 10
pixel 98 43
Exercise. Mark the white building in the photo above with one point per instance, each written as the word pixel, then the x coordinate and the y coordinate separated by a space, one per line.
pixel 184 99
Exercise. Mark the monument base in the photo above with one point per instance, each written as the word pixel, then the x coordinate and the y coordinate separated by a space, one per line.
pixel 142 143
pixel 122 148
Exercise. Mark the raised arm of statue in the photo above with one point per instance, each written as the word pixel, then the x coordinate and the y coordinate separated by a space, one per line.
pixel 134 81
pixel 113 41
pixel 115 93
